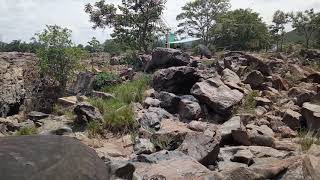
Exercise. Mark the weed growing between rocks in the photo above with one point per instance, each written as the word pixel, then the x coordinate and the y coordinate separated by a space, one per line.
pixel 27 131
pixel 307 139
pixel 249 103
pixel 118 113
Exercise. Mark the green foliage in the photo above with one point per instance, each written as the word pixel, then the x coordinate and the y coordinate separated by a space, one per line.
pixel 280 19
pixel 104 79
pixel 306 23
pixel 118 113
pixel 58 58
pixel 25 131
pixel 130 58
pixel 199 17
pixel 249 103
pixel 307 139
pixel 133 21
pixel 94 46
pixel 242 29
pixel 131 91
pixel 18 46
pixel 115 48
pixel 94 128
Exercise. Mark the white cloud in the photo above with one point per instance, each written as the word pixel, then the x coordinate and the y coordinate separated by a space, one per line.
pixel 20 19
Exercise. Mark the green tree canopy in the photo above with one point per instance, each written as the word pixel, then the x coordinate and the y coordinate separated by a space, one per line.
pixel 306 23
pixel 241 29
pixel 280 19
pixel 58 58
pixel 94 46
pixel 134 22
pixel 199 17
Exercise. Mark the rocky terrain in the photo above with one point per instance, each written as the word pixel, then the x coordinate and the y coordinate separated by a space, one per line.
pixel 243 116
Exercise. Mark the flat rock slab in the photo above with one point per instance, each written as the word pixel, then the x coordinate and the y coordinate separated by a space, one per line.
pixel 49 157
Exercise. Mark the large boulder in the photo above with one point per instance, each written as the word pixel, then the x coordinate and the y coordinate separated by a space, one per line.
pixel 86 113
pixel 311 113
pixel 203 146
pixel 49 157
pixel 16 72
pixel 255 79
pixel 168 101
pixel 166 57
pixel 178 80
pixel 151 118
pixel 204 51
pixel 169 165
pixel 189 108
pixel 83 84
pixel 216 95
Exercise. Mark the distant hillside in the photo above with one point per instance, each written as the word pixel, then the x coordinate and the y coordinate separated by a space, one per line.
pixel 295 37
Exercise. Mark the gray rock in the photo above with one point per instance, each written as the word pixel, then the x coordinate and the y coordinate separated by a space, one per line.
pixel 169 165
pixel 151 102
pixel 35 116
pixel 216 95
pixel 102 95
pixel 86 113
pixel 178 80
pixel 204 147
pixel 166 57
pixel 204 51
pixel 198 126
pixel 189 108
pixel 292 119
pixel 119 169
pixel 83 84
pixel 143 146
pixel 227 128
pixel 230 76
pixel 311 113
pixel 152 118
pixel 243 156
pixel 255 79
pixel 37 152
pixel 169 101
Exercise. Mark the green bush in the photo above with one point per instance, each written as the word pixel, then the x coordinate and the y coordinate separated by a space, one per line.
pixel 25 131
pixel 105 79
pixel 118 113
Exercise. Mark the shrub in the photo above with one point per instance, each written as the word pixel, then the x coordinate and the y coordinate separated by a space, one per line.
pixel 105 79
pixel 25 131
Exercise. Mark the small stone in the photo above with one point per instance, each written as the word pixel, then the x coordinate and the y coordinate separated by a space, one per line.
pixel 243 156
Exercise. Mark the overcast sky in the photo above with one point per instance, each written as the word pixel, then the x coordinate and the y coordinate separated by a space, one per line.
pixel 20 19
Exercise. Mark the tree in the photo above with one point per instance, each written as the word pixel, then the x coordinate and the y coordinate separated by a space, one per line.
pixel 199 17
pixel 280 19
pixel 94 46
pixel 242 29
pixel 306 23
pixel 134 24
pixel 58 58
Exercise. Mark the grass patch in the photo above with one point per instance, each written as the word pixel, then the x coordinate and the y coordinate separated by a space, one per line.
pixel 25 131
pixel 249 103
pixel 94 128
pixel 307 139
pixel 118 113
pixel 131 91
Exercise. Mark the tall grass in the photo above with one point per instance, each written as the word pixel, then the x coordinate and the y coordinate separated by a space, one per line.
pixel 307 139
pixel 118 113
